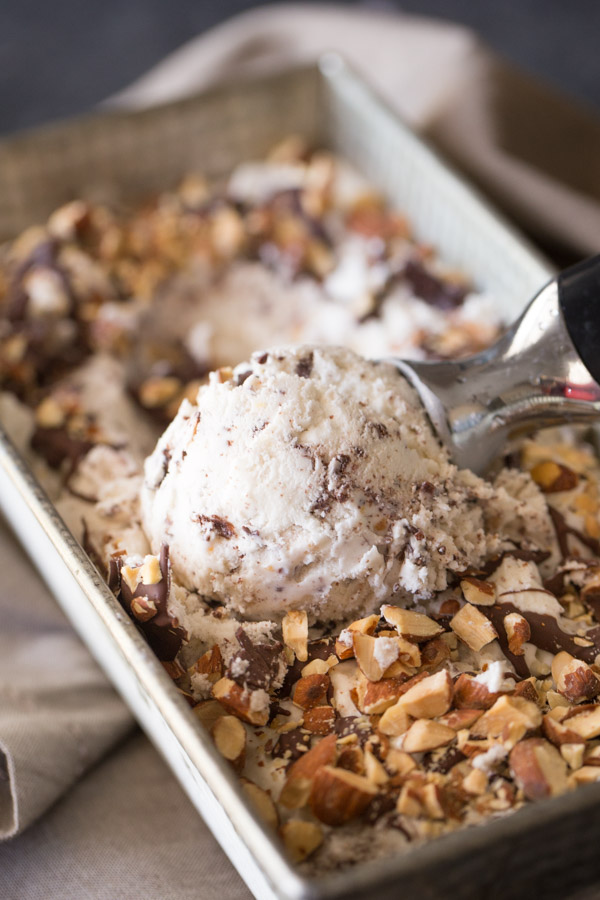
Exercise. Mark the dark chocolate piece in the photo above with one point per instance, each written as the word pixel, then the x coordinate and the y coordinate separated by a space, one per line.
pixel 262 663
pixel 162 634
pixel 433 290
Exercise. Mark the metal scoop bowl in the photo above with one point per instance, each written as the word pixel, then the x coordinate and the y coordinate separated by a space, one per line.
pixel 544 371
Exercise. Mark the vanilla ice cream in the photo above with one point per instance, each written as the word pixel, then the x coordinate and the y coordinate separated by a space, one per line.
pixel 311 479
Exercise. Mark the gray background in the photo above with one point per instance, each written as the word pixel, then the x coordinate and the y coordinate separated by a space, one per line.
pixel 59 57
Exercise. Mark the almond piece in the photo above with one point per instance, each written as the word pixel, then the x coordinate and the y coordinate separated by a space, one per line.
pixel 527 690
pixel 572 754
pixel 538 768
pixel 425 734
pixel 480 593
pixel 251 706
pixel 319 666
pixel 434 653
pixel 319 720
pixel 343 645
pixel 210 664
pixel 460 718
pixel 475 782
pixel 296 790
pixel 574 679
pixel 337 795
pixel 559 733
pixel 376 654
pixel 311 691
pixel 472 627
pixel 400 763
pixel 409 802
pixel 295 633
pixel 472 694
pixel 352 758
pixel 592 756
pixel 208 711
pixel 510 718
pixel 375 697
pixel 585 723
pixel 301 838
pixel 374 770
pixel 518 632
pixel 428 698
pixel 395 721
pixel 411 624
pixel 585 775
pixel 229 736
pixel 261 802
pixel 551 477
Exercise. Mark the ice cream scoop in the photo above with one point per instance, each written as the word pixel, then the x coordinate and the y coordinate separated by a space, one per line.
pixel 544 371
pixel 309 478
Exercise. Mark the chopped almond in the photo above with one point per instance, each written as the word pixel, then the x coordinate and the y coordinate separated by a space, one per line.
pixel 510 718
pixel 425 734
pixel 460 718
pixel 399 762
pixel 572 754
pixel 559 733
pixel 208 711
pixel 210 664
pixel 261 802
pixel 229 736
pixel 475 782
pixel 518 632
pixel 251 706
pixel 480 593
pixel 574 679
pixel 297 787
pixel 311 691
pixel 301 838
pixel 295 633
pixel 434 653
pixel 337 795
pixel 375 697
pixel 538 768
pixel 411 624
pixel 344 648
pixel 585 723
pixel 374 770
pixel 472 627
pixel 428 698
pixel 319 666
pixel 472 694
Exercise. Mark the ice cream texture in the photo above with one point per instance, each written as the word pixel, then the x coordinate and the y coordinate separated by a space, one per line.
pixel 310 479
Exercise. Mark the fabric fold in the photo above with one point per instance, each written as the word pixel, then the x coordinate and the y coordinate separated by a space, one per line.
pixel 58 713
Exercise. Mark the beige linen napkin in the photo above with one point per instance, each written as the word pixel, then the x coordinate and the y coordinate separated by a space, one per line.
pixel 536 153
pixel 128 823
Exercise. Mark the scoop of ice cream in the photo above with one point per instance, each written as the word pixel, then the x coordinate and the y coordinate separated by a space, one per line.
pixel 310 479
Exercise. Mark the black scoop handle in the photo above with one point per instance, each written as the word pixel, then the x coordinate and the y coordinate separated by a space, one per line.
pixel 579 297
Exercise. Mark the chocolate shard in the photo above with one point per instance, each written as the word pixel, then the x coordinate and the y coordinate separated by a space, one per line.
pixel 56 445
pixel 291 745
pixel 546 634
pixel 304 366
pixel 358 725
pixel 381 805
pixel 564 531
pixel 161 632
pixel 433 290
pixel 255 666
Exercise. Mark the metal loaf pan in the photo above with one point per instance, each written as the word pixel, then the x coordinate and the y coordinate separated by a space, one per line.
pixel 550 846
